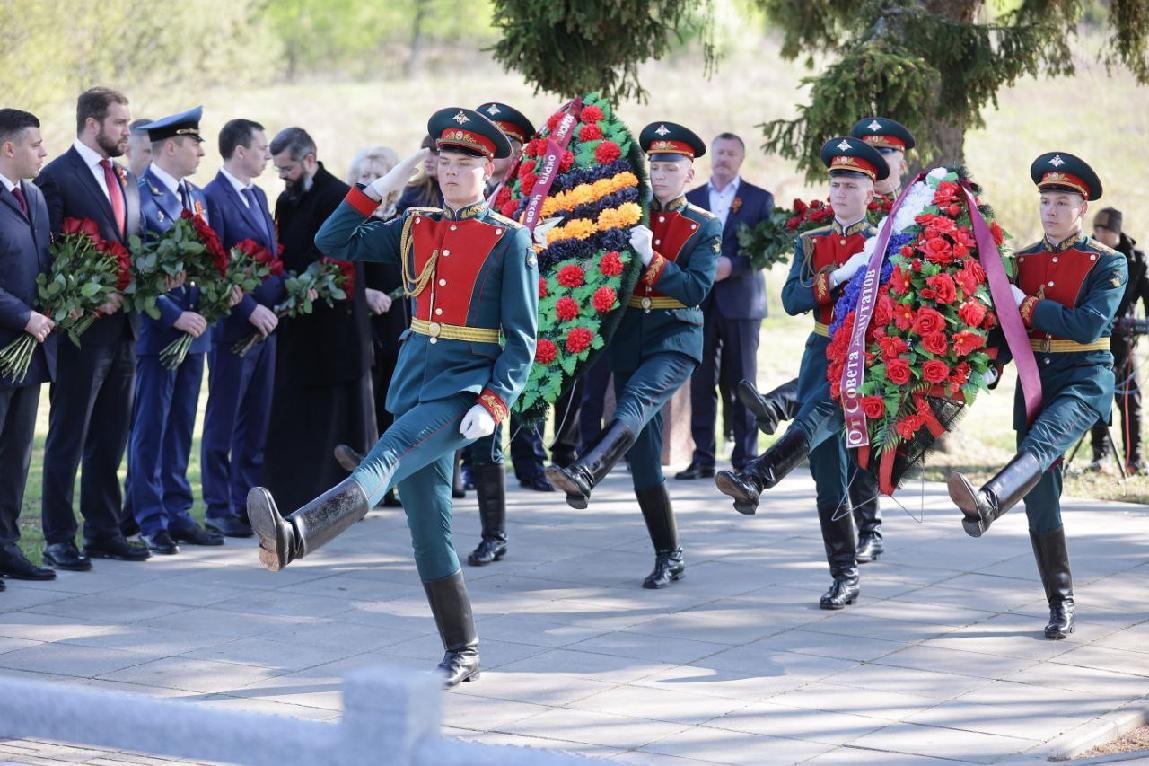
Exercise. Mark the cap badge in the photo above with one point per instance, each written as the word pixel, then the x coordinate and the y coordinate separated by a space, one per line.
pixel 493 109
pixel 662 130
pixel 461 118
pixel 1057 161
pixel 875 126
pixel 844 145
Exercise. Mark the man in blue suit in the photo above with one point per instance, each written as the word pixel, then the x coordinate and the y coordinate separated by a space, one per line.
pixel 166 399
pixel 24 234
pixel 91 397
pixel 239 388
pixel 733 311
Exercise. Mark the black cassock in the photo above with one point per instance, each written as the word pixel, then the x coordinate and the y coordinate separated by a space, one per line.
pixel 322 393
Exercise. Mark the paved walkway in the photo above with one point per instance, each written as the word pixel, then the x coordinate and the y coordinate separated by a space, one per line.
pixel 942 657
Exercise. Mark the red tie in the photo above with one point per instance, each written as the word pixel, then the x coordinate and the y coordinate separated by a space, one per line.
pixel 18 193
pixel 115 195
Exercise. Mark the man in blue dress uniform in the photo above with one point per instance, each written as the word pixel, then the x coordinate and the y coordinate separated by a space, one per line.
pixel 657 345
pixel 239 387
pixel 824 260
pixel 892 140
pixel 166 400
pixel 1068 289
pixel 474 278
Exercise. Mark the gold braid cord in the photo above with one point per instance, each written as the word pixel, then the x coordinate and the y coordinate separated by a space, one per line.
pixel 419 282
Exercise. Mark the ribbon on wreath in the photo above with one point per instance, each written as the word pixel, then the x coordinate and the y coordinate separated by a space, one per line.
pixel 556 145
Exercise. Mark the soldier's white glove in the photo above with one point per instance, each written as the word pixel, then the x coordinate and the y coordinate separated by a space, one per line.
pixel 397 177
pixel 990 376
pixel 642 240
pixel 849 268
pixel 1018 294
pixel 477 423
pixel 542 227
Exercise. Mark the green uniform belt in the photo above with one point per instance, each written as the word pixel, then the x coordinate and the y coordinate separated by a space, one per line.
pixel 454 331
pixel 1055 346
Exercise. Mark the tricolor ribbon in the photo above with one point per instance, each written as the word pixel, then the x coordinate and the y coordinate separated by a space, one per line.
pixel 549 162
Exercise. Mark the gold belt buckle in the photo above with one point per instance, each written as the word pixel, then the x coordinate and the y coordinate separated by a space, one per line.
pixel 434 329
pixel 646 303
pixel 1045 346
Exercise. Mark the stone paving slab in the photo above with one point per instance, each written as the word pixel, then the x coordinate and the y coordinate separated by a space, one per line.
pixel 941 660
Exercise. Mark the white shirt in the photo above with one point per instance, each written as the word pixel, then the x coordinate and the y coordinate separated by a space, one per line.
pixel 238 185
pixel 721 201
pixel 93 159
pixel 167 179
pixel 9 185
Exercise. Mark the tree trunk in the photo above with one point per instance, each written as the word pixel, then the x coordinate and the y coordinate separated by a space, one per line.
pixel 415 59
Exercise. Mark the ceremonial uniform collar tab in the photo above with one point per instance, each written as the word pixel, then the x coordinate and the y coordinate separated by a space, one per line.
pixel 676 204
pixel 463 213
pixel 852 229
pixel 1068 243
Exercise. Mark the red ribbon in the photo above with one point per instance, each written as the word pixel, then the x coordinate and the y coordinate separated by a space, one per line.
pixel 549 162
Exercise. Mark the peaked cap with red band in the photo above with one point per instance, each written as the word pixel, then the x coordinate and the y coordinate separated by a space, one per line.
pixel 853 155
pixel 468 131
pixel 671 139
pixel 509 120
pixel 883 133
pixel 1061 171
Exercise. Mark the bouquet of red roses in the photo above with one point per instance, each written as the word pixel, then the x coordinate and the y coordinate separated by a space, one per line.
pixel 771 240
pixel 86 272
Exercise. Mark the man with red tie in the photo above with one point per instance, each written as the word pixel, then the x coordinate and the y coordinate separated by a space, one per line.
pixel 91 398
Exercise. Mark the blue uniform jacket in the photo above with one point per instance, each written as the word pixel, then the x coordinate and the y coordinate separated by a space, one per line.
pixel 485 276
pixel 682 269
pixel 235 222
pixel 742 295
pixel 23 257
pixel 159 208
pixel 1074 290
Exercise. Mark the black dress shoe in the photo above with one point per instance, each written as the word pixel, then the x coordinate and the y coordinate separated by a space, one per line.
pixel 66 556
pixel 161 543
pixel 694 472
pixel 14 564
pixel 841 594
pixel 116 548
pixel 194 534
pixel 229 526
pixel 538 482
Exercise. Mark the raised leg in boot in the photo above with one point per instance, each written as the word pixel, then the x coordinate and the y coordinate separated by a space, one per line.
pixel 764 471
pixel 490 486
pixel 580 477
pixel 284 539
pixel 838 535
pixel 982 507
pixel 659 517
pixel 772 408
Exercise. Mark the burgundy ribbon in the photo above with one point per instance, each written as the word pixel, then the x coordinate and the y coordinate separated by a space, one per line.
pixel 857 435
pixel 1008 313
pixel 549 163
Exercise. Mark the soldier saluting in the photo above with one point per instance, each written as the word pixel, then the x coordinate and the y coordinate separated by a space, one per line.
pixel 474 278
pixel 1068 289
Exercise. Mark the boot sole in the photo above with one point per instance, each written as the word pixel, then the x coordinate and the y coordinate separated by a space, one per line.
pixel 835 607
pixel 651 585
pixel 744 503
pixel 965 498
pixel 267 525
pixel 563 483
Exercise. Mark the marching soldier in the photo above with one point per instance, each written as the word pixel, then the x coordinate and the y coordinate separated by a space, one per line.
pixel 824 259
pixel 1069 287
pixel 658 343
pixel 474 278
pixel 892 140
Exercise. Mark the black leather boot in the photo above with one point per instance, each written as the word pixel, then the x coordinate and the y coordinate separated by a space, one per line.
pixel 452 609
pixel 838 536
pixel 491 487
pixel 578 479
pixel 867 516
pixel 769 410
pixel 982 507
pixel 1053 566
pixel 282 540
pixel 659 518
pixel 347 457
pixel 458 489
pixel 764 471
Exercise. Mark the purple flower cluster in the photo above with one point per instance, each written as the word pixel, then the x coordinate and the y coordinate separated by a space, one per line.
pixel 615 239
pixel 848 300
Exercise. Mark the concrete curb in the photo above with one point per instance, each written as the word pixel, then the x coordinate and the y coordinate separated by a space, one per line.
pixel 1097 732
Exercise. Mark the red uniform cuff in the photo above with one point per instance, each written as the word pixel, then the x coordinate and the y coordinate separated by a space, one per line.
pixel 822 294
pixel 494 404
pixel 361 202
pixel 654 270
pixel 1027 307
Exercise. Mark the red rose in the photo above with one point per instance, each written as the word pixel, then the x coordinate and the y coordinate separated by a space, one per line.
pixel 571 275
pixel 968 341
pixel 603 299
pixel 817 204
pixel 960 374
pixel 927 321
pixel 964 236
pixel 607 152
pixel 545 351
pixel 954 210
pixel 566 162
pixel 579 340
pixel 966 279
pixel 975 268
pixel 873 407
pixel 610 265
pixel 566 308
pixel 589 133
pixel 939 225
pixel 510 209
pixel 935 371
pixel 82 226
pixel 990 320
pixel 591 114
pixel 792 223
pixel 907 251
pixel 946 192
pixel 908 426
pixel 943 286
pixel 937 250
pixel 553 121
pixel 799 206
pixel 935 343
pixel 542 287
pixel 972 312
pixel 959 250
pixel 898 371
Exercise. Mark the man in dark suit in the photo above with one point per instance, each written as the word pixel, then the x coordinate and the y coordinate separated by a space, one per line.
pixel 24 234
pixel 322 392
pixel 733 312
pixel 167 399
pixel 91 397
pixel 239 387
